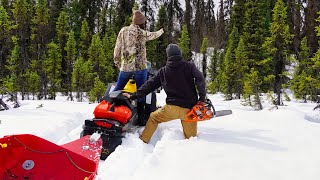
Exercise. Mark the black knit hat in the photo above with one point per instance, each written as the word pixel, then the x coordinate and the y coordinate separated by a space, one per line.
pixel 173 50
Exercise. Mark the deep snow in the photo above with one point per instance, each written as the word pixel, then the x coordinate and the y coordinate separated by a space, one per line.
pixel 278 144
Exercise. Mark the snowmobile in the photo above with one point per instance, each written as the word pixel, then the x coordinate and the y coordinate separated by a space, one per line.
pixel 116 115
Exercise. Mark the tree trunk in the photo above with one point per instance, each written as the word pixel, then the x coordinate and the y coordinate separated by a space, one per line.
pixel 4 105
pixel 257 99
pixel 204 66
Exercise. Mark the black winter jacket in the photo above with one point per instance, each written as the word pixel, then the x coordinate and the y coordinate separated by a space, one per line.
pixel 179 80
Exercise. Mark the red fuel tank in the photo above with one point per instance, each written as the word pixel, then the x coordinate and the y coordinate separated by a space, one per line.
pixel 119 113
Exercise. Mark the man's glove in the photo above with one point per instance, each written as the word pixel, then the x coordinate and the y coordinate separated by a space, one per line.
pixel 127 95
pixel 201 103
pixel 204 102
pixel 130 96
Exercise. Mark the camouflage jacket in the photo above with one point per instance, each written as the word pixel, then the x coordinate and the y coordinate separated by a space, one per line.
pixel 130 48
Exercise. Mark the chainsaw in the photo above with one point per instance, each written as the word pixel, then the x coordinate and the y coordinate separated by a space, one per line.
pixel 203 111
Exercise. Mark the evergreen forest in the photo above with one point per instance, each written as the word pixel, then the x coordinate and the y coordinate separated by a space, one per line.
pixel 248 47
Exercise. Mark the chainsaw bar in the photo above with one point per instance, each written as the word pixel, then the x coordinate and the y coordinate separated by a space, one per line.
pixel 222 113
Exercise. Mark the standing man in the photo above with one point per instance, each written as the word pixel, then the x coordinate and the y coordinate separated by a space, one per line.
pixel 180 80
pixel 130 55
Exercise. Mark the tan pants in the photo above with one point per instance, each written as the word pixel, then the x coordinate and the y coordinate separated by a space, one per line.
pixel 165 114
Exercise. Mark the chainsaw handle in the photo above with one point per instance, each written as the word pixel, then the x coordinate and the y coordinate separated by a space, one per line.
pixel 213 110
pixel 208 101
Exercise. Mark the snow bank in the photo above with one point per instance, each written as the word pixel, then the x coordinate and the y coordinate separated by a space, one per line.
pixel 281 144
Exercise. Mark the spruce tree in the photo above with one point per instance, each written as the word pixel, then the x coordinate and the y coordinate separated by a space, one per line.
pixel 209 21
pixel 315 77
pixel 40 29
pixel 55 7
pixel 147 9
pixel 77 78
pixel 11 84
pixel 83 9
pixel 163 40
pixel 213 71
pixel 277 46
pixel 187 19
pixel 53 68
pixel 22 13
pixel 220 71
pixel 298 24
pixel 80 77
pixel 76 15
pixel 152 51
pixel 90 10
pixel 221 32
pixel 304 62
pixel 4 3
pixel 229 73
pixel 39 39
pixel 109 41
pixel 294 14
pixel 12 81
pixel 184 43
pixel 124 13
pixel 313 7
pixel 97 58
pixel 204 47
pixel 237 16
pixel 241 67
pixel 315 69
pixel 303 85
pixel 102 21
pixel 62 28
pixel 108 16
pixel 267 11
pixel 111 14
pixel 85 39
pixel 253 35
pixel 97 91
pixel 5 40
pixel 198 26
pixel 71 56
pixel 34 83
pixel 251 89
pixel 175 14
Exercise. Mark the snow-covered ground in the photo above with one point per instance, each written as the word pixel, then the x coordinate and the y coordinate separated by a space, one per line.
pixel 278 144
